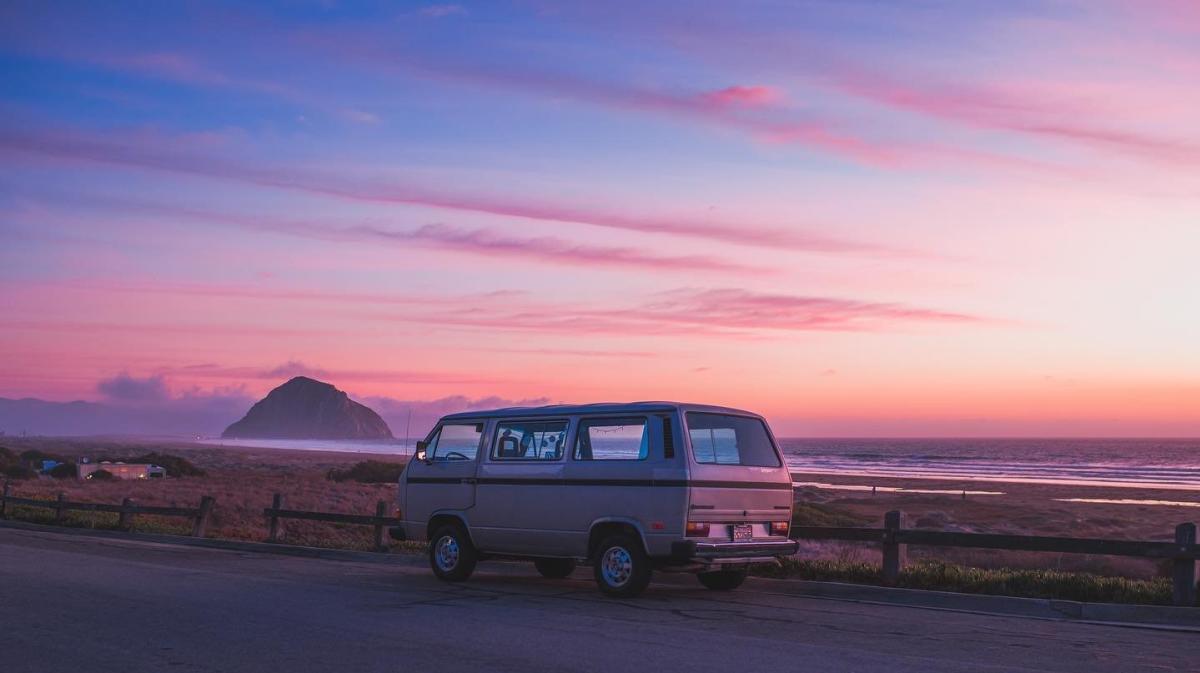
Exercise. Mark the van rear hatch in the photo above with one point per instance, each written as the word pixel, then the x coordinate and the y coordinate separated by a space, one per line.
pixel 740 488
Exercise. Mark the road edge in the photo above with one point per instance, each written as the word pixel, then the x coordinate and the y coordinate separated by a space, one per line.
pixel 1110 614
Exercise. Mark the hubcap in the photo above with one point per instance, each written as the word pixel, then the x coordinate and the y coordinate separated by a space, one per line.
pixel 616 566
pixel 446 552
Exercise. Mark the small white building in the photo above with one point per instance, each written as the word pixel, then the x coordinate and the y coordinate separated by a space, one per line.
pixel 122 470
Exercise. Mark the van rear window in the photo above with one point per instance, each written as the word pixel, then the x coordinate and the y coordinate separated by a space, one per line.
pixel 722 439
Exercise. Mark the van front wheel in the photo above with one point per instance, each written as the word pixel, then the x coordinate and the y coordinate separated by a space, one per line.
pixel 621 566
pixel 722 580
pixel 555 568
pixel 451 554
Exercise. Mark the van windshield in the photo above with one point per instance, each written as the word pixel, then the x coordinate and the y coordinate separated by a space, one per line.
pixel 722 439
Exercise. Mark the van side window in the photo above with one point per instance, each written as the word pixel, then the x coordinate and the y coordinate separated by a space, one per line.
pixel 529 440
pixel 455 441
pixel 612 439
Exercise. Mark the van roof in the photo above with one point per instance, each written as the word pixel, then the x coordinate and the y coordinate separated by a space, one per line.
pixel 607 408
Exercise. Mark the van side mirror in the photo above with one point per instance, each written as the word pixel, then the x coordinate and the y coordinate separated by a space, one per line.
pixel 419 454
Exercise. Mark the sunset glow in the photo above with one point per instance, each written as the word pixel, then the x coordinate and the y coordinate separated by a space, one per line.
pixel 857 219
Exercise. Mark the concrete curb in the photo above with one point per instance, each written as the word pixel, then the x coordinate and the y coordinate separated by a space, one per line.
pixel 1112 614
pixel 1147 616
pixel 229 545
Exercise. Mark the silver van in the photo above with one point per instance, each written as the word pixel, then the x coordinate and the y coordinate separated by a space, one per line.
pixel 629 488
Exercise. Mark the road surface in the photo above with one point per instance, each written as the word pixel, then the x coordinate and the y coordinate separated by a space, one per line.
pixel 76 603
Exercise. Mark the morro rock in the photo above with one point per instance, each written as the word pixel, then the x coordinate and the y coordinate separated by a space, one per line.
pixel 304 408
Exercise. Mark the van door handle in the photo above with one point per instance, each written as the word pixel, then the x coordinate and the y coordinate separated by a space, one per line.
pixel 470 480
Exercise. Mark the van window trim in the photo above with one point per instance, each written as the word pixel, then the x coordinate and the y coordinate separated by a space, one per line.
pixel 493 440
pixel 687 430
pixel 613 417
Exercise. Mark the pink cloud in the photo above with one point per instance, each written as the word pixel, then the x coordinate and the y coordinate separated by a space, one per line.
pixel 185 69
pixel 419 416
pixel 475 241
pixel 439 11
pixel 276 293
pixel 213 329
pixel 164 154
pixel 295 368
pixel 548 248
pixel 744 309
pixel 726 108
pixel 1013 111
pixel 785 127
pixel 717 313
pixel 749 96
pixel 126 388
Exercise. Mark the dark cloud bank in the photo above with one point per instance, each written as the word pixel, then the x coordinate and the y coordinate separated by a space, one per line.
pixel 146 406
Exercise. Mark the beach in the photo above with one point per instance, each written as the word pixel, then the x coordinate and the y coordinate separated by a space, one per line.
pixel 244 479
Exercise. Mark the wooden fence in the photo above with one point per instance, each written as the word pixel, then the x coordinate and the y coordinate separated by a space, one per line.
pixel 381 521
pixel 895 538
pixel 126 511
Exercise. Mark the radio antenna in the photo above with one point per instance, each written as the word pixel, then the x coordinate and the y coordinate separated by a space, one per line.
pixel 407 427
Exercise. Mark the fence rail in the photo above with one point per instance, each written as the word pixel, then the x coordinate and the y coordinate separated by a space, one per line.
pixel 894 539
pixel 126 511
pixel 381 521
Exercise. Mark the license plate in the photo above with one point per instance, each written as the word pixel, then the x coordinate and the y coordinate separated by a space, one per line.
pixel 743 532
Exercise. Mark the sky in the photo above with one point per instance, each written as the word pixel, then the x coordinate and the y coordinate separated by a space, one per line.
pixel 856 218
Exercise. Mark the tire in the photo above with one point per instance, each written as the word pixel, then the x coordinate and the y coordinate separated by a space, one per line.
pixel 555 568
pixel 451 554
pixel 621 567
pixel 722 580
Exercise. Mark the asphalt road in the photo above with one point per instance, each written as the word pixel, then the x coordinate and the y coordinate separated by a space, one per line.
pixel 83 604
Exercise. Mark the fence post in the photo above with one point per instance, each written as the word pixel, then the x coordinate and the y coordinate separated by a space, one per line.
pixel 276 505
pixel 125 518
pixel 380 511
pixel 4 500
pixel 200 527
pixel 1183 572
pixel 894 554
pixel 60 512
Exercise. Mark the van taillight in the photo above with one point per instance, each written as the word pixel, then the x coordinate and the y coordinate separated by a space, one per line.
pixel 779 528
pixel 696 530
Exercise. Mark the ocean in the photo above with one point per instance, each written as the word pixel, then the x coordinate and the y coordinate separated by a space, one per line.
pixel 1134 463
pixel 1160 463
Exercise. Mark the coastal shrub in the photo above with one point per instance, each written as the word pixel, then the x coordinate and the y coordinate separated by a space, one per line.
pixel 7 457
pixel 18 471
pixel 174 465
pixel 369 472
pixel 64 471
pixel 35 458
pixel 940 576
pixel 101 475
pixel 817 514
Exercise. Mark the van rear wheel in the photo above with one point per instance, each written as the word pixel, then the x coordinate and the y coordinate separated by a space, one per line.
pixel 621 566
pixel 451 554
pixel 722 580
pixel 555 568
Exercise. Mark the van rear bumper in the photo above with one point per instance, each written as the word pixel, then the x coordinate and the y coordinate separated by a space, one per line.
pixel 692 551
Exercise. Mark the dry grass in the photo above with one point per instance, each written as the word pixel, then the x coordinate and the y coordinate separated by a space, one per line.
pixel 1024 509
pixel 243 482
pixel 940 576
